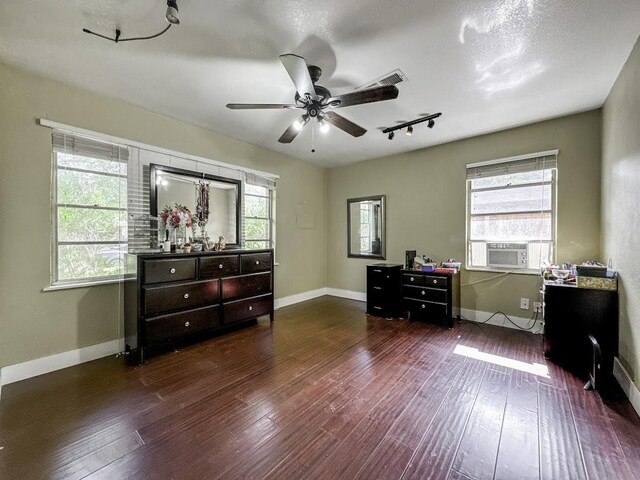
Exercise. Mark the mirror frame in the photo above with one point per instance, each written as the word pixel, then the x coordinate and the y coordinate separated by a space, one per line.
pixel 383 227
pixel 153 191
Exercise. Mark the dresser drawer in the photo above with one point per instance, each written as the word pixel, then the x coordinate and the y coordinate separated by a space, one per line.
pixel 418 309
pixel 246 309
pixel 169 270
pixel 160 299
pixel 412 279
pixel 219 266
pixel 166 327
pixel 433 281
pixel 248 285
pixel 255 262
pixel 425 293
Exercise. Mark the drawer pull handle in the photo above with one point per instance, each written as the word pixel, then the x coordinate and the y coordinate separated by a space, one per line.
pixel 173 270
pixel 377 271
pixel 186 295
pixel 435 281
pixel 377 288
pixel 424 306
pixel 186 324
pixel 378 308
pixel 422 292
pixel 250 308
pixel 257 262
pixel 412 279
pixel 220 266
pixel 387 276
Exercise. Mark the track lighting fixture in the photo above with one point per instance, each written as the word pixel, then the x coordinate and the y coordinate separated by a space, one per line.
pixel 171 16
pixel 409 125
pixel 172 12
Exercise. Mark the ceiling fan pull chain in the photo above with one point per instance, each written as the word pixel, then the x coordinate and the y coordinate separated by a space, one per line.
pixel 313 137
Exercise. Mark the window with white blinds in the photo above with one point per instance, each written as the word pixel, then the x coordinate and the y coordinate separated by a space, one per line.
pixel 258 219
pixel 89 193
pixel 511 212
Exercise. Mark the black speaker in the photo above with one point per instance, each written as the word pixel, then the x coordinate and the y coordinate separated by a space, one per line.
pixel 409 256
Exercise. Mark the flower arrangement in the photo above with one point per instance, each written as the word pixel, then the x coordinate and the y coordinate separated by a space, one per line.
pixel 176 216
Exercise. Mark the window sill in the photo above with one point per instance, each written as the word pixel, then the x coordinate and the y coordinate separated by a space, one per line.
pixel 70 286
pixel 503 271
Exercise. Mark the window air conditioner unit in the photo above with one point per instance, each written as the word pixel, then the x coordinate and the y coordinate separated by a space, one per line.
pixel 507 255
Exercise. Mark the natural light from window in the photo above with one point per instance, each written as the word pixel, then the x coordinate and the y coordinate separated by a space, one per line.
pixel 533 368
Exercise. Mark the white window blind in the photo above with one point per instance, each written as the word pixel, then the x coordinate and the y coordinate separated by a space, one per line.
pixel 89 181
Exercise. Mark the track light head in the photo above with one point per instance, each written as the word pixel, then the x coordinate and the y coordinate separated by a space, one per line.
pixel 172 12
pixel 431 123
pixel 410 130
pixel 391 135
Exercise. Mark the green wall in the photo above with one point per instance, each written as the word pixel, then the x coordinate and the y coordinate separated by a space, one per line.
pixel 621 202
pixel 426 204
pixel 34 323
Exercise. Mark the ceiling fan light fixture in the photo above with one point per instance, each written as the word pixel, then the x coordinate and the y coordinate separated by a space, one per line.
pixel 324 126
pixel 172 12
pixel 409 130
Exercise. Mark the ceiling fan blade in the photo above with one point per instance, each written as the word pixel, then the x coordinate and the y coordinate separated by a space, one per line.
pixel 291 132
pixel 370 95
pixel 298 70
pixel 250 106
pixel 343 124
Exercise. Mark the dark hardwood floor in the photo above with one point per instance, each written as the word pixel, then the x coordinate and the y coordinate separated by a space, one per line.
pixel 324 393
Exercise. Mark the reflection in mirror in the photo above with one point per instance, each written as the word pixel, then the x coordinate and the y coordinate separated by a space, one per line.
pixel 213 201
pixel 366 227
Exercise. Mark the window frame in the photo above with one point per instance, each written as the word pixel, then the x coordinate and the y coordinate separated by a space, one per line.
pixel 270 219
pixel 55 281
pixel 553 210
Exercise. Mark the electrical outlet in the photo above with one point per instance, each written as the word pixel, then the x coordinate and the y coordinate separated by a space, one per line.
pixel 537 307
pixel 524 303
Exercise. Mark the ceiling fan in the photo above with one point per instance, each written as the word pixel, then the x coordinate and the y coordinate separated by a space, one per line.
pixel 316 101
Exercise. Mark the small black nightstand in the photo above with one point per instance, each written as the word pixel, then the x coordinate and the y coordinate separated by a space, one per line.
pixel 383 289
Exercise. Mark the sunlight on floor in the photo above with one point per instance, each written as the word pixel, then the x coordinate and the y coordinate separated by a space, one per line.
pixel 534 368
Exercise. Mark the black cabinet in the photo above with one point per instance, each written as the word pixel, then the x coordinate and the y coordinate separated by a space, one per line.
pixel 383 289
pixel 581 330
pixel 178 296
pixel 431 296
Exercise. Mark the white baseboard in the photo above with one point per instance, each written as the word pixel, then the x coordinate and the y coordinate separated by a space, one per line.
pixel 628 386
pixel 299 297
pixel 51 363
pixel 337 292
pixel 500 321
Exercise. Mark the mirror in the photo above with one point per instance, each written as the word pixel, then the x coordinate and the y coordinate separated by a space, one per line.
pixel 169 186
pixel 366 227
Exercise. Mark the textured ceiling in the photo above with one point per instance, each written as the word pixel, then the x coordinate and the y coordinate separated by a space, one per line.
pixel 487 65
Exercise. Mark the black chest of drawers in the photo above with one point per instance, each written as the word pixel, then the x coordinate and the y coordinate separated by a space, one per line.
pixel 383 289
pixel 178 296
pixel 431 296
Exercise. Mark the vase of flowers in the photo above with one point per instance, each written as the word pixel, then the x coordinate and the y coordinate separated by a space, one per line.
pixel 176 219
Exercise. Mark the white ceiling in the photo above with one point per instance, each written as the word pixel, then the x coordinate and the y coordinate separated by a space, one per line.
pixel 487 65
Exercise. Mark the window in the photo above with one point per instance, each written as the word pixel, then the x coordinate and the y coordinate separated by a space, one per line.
pixel 89 192
pixel 511 212
pixel 259 212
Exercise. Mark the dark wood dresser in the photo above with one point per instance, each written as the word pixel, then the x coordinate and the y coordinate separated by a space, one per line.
pixel 431 296
pixel 581 330
pixel 383 289
pixel 178 296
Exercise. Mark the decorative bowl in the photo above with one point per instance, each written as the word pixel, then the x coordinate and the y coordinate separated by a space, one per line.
pixel 560 274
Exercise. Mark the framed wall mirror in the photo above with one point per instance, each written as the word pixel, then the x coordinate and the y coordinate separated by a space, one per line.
pixel 366 227
pixel 169 186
